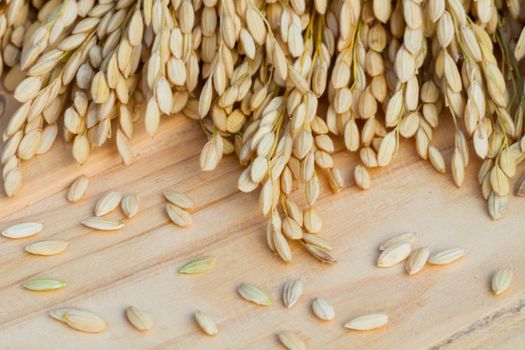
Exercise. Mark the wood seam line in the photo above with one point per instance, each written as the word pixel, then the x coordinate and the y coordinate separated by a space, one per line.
pixel 518 307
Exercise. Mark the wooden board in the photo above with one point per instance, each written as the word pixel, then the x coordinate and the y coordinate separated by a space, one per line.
pixel 443 308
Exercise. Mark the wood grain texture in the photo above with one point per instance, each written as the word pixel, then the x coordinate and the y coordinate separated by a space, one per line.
pixel 105 272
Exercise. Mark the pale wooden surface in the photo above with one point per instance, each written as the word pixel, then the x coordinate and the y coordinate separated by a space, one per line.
pixel 449 307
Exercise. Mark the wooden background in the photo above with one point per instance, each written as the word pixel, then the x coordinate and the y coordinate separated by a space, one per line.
pixel 440 308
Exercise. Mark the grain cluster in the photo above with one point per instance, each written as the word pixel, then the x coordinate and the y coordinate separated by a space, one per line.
pixel 129 204
pixel 178 208
pixel 399 248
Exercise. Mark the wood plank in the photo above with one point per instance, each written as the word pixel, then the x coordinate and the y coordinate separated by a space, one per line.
pixel 106 272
